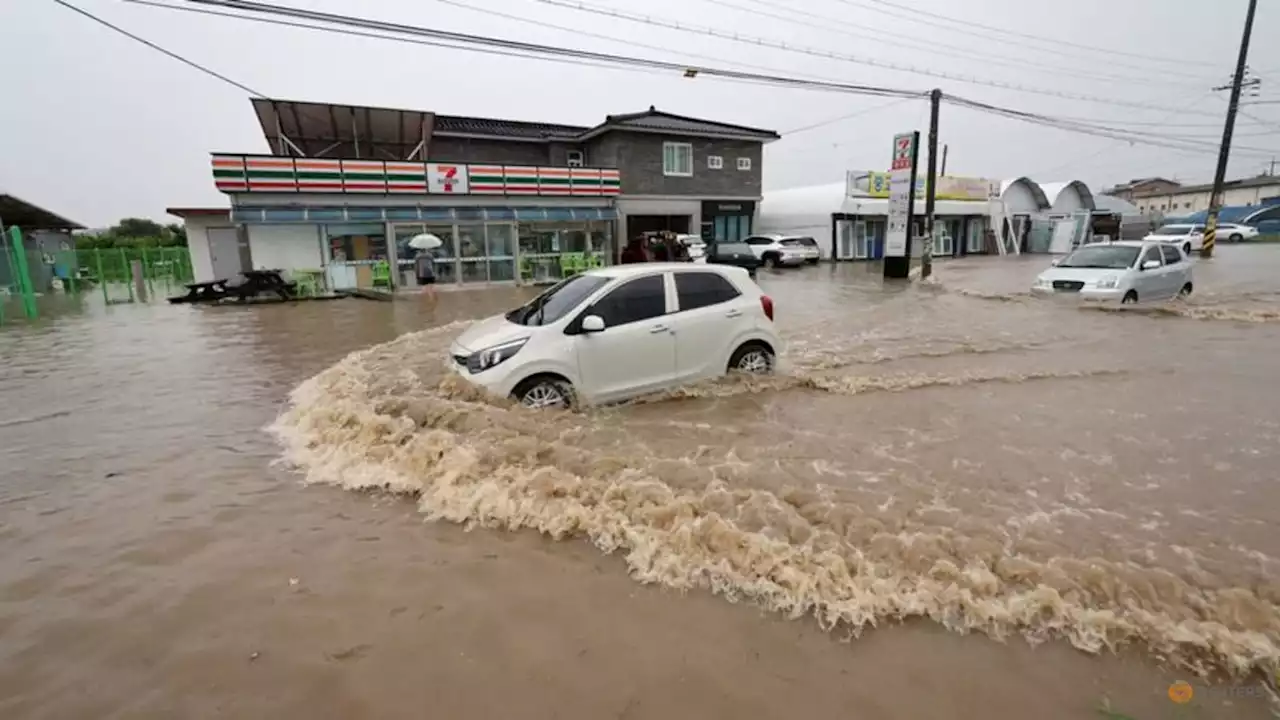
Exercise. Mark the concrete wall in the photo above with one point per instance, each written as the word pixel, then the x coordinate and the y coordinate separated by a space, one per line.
pixel 488 151
pixel 285 247
pixel 1175 203
pixel 639 157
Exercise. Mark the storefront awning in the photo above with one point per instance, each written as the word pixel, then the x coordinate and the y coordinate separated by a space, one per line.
pixel 417 214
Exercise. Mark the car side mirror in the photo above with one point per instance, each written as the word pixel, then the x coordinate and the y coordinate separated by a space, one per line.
pixel 1151 265
pixel 592 324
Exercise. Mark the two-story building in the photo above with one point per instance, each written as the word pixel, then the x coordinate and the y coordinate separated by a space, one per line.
pixel 345 190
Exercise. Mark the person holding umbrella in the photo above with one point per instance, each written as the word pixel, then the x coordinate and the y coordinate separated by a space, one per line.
pixel 424 264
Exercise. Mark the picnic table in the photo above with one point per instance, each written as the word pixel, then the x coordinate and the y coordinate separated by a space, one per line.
pixel 249 285
pixel 205 292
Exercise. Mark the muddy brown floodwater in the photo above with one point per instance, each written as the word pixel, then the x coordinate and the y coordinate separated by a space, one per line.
pixel 954 501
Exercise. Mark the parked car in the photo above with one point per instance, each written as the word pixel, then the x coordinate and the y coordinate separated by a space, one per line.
pixel 1235 232
pixel 737 254
pixel 613 333
pixel 1187 237
pixel 697 248
pixel 808 248
pixel 773 253
pixel 1126 271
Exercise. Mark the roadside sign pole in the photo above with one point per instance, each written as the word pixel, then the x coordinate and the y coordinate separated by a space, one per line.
pixel 902 194
pixel 1224 152
pixel 930 184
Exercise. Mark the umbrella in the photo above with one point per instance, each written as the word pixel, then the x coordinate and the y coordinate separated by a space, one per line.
pixel 425 241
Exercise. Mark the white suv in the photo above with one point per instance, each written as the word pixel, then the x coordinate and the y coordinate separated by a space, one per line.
pixel 773 252
pixel 614 333
pixel 1187 237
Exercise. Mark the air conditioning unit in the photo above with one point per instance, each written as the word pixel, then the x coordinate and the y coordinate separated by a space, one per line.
pixel 575 158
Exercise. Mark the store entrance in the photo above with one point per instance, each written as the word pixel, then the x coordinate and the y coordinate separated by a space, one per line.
pixel 638 225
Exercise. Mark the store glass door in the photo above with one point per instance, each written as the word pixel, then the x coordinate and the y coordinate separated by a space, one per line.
pixel 357 256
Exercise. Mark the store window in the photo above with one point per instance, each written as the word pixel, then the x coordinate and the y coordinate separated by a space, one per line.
pixel 357 256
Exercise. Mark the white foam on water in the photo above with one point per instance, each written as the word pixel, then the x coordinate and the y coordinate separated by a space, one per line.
pixel 377 421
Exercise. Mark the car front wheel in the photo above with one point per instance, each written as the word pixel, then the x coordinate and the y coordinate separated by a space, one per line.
pixel 1237 237
pixel 1186 249
pixel 1185 291
pixel 753 358
pixel 1130 298
pixel 544 391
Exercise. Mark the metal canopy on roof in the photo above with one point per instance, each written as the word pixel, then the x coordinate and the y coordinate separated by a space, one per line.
pixel 17 212
pixel 309 129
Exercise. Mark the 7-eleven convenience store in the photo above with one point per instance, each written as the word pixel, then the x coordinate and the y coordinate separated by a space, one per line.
pixel 346 188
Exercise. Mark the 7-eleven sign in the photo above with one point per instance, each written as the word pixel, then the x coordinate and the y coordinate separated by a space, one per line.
pixel 447 179
pixel 903 151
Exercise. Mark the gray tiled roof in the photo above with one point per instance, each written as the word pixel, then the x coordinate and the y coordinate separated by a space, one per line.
pixel 504 128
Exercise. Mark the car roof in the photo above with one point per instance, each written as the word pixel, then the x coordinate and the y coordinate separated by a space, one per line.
pixel 637 269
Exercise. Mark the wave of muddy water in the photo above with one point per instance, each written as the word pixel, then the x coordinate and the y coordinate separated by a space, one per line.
pixel 1032 481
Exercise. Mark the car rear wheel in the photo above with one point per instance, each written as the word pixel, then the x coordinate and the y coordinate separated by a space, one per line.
pixel 1235 238
pixel 544 391
pixel 1185 291
pixel 753 358
pixel 1186 249
pixel 771 261
pixel 1130 297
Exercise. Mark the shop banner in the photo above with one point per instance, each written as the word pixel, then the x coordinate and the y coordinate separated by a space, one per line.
pixel 873 183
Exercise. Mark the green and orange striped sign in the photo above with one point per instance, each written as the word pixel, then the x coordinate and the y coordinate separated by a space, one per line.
pixel 268 173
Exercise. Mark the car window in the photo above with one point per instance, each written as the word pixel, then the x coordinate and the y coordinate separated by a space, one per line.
pixel 633 301
pixel 1171 254
pixel 731 248
pixel 700 289
pixel 759 241
pixel 561 298
pixel 806 241
pixel 1152 253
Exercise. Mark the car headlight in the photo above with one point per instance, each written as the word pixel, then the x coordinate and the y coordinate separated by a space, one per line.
pixel 1108 282
pixel 1041 282
pixel 491 356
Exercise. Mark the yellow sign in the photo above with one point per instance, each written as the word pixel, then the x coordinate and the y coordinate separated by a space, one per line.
pixel 876 184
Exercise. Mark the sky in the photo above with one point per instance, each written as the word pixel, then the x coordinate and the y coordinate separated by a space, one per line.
pixel 96 126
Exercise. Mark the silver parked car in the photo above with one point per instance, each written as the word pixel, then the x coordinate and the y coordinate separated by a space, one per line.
pixel 1125 272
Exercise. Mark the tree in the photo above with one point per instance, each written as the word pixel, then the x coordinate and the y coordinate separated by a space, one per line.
pixel 137 228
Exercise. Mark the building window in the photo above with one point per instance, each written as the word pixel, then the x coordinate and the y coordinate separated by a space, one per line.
pixel 715 162
pixel 677 159
pixel 744 163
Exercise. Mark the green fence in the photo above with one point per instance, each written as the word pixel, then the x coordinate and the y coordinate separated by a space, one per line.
pixel 26 273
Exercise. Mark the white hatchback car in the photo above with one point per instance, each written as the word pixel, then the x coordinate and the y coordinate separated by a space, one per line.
pixel 614 333
pixel 1119 271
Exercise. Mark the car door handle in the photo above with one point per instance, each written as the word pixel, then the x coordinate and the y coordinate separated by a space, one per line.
pixel 658 329
pixel 733 313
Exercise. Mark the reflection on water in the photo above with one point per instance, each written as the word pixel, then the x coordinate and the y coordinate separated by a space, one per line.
pixel 954 451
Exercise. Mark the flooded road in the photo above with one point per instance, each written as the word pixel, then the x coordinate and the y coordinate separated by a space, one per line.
pixel 218 512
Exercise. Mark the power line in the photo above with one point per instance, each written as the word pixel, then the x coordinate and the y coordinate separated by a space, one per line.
pixel 536 51
pixel 834 24
pixel 687 70
pixel 914 15
pixel 842 118
pixel 611 38
pixel 765 42
pixel 157 48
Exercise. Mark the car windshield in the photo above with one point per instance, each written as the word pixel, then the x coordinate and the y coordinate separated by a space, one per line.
pixel 1115 257
pixel 1173 230
pixel 562 297
pixel 731 248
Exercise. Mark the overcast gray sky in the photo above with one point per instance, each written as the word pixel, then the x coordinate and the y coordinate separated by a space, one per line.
pixel 96 126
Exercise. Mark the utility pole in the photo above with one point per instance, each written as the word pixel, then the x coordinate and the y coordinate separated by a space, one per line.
pixel 930 184
pixel 1224 152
